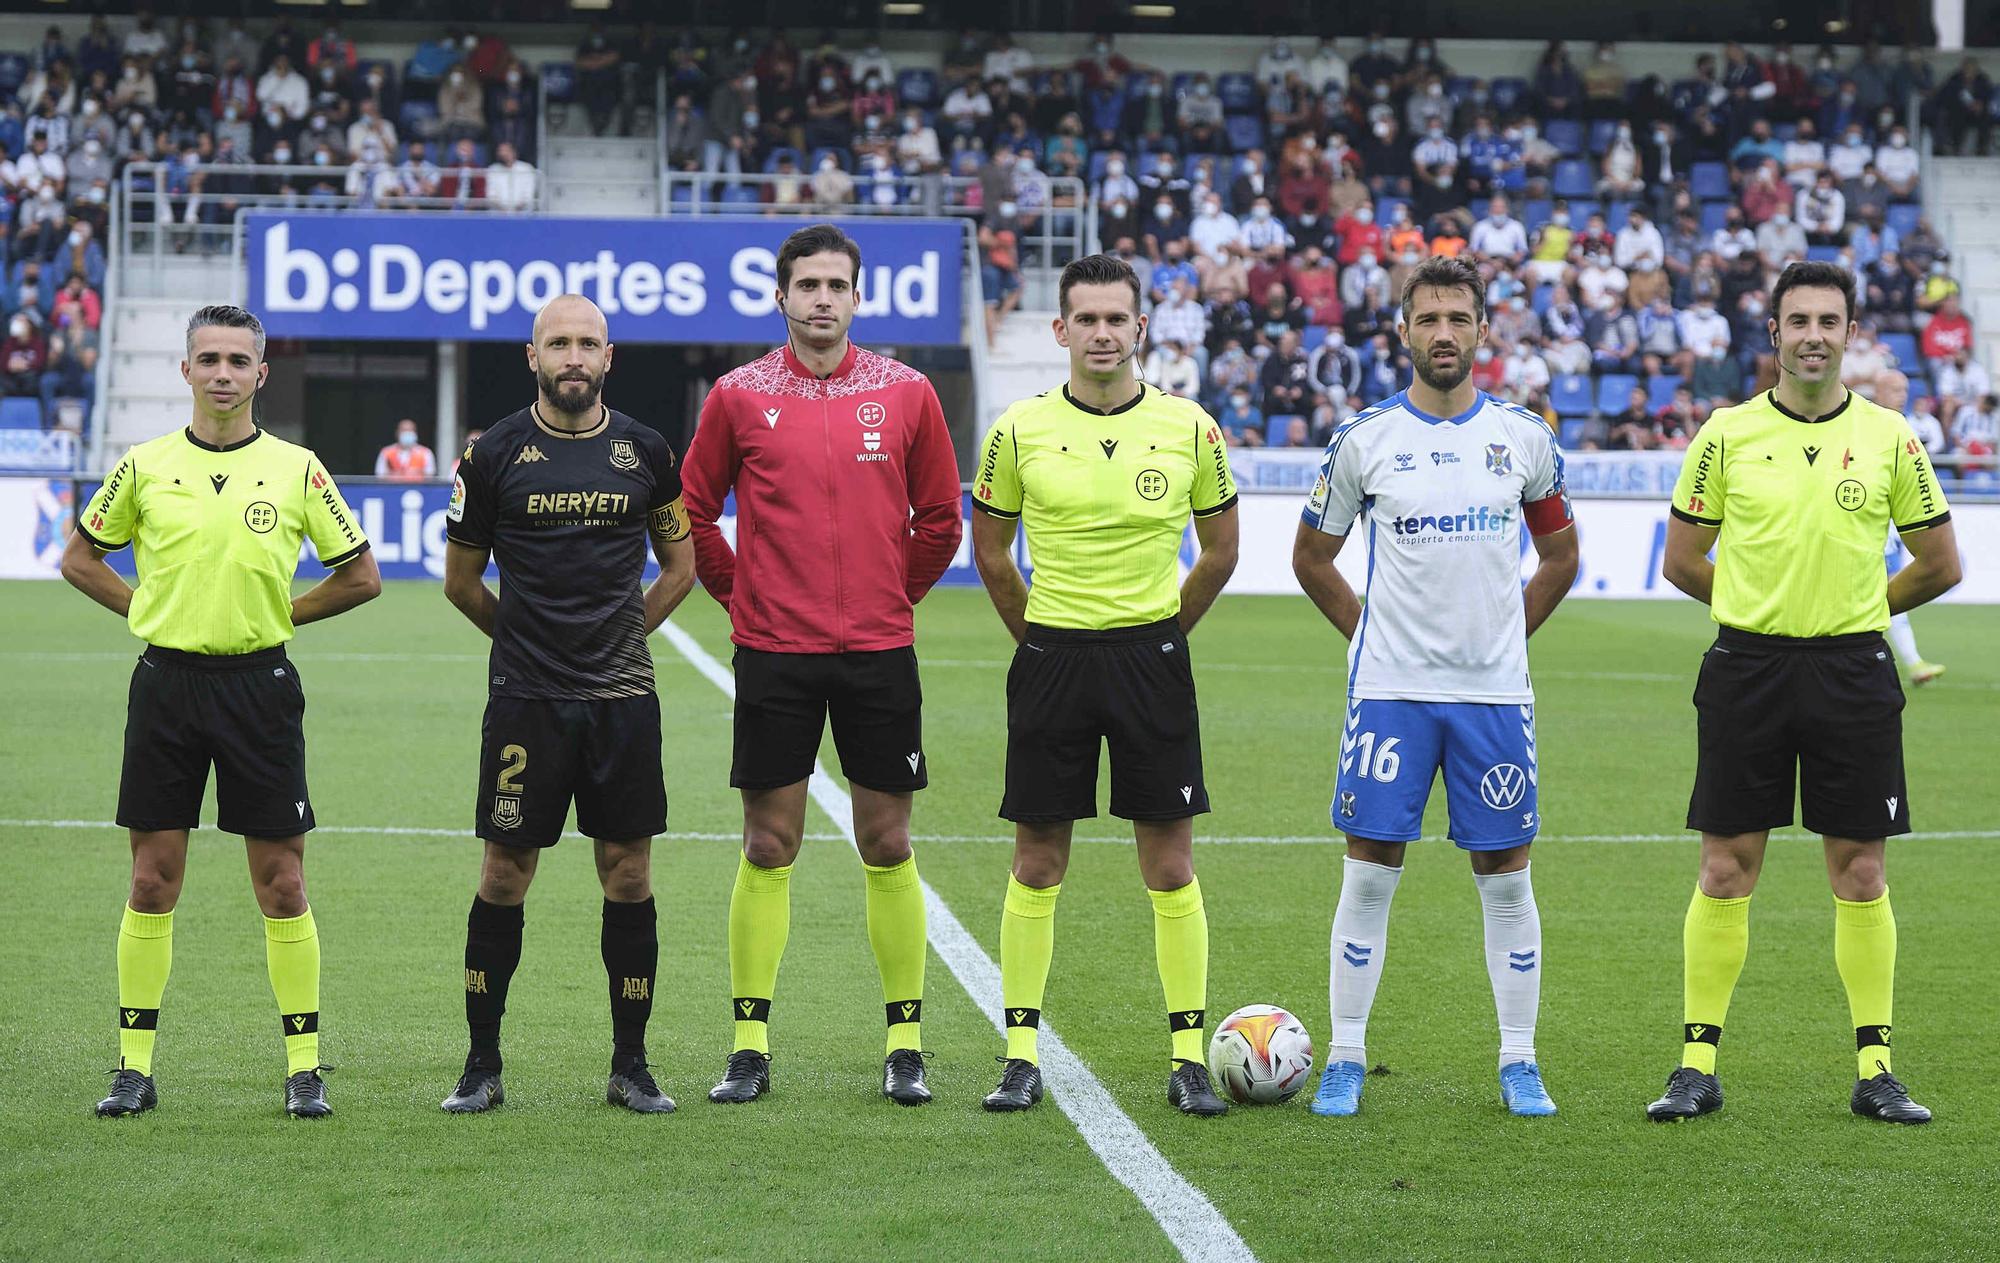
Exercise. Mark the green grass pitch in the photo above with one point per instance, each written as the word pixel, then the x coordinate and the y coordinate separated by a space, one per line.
pixel 1433 1168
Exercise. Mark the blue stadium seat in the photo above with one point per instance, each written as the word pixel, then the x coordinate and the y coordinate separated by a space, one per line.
pixel 1823 254
pixel 1613 391
pixel 1785 132
pixel 1616 213
pixel 739 195
pixel 917 87
pixel 1709 181
pixel 1508 93
pixel 864 191
pixel 1904 347
pixel 1713 216
pixel 771 160
pixel 1660 390
pixel 1244 131
pixel 1274 428
pixel 20 413
pixel 841 156
pixel 419 117
pixel 1098 157
pixel 1566 134
pixel 1239 94
pixel 1569 393
pixel 1903 218
pixel 1311 337
pixel 1581 209
pixel 559 80
pixel 678 193
pixel 1459 87
pixel 1177 87
pixel 1540 300
pixel 1571 434
pixel 1601 132
pixel 1385 209
pixel 1573 179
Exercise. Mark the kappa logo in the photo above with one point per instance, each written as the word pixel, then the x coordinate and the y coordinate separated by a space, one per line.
pixel 1503 786
pixel 771 417
pixel 529 455
pixel 914 759
pixel 623 454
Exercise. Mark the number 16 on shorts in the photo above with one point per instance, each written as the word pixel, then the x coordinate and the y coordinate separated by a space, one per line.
pixel 1392 751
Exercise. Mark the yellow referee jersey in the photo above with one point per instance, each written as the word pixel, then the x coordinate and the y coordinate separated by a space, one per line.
pixel 215 533
pixel 1805 508
pixel 1105 498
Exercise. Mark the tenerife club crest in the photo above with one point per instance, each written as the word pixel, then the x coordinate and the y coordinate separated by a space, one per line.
pixel 1499 461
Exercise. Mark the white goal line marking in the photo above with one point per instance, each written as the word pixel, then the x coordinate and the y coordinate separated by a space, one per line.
pixel 1192 1223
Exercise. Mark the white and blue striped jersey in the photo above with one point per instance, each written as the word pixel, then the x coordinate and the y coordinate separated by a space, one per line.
pixel 1442 502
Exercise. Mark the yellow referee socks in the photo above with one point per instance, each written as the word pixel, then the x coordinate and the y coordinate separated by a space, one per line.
pixel 1864 948
pixel 1714 942
pixel 1027 945
pixel 897 932
pixel 291 952
pixel 145 958
pixel 1180 945
pixel 760 920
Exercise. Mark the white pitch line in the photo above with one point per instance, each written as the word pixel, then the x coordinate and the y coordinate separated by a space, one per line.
pixel 1237 839
pixel 1192 1223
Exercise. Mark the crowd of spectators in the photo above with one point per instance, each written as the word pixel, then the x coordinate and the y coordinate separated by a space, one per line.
pixel 1629 226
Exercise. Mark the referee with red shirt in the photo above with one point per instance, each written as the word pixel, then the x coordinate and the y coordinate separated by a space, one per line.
pixel 847 511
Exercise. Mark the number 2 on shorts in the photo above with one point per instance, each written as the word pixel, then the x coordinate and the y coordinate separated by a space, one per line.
pixel 513 762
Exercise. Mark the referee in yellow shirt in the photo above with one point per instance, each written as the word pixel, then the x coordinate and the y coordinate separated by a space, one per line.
pixel 214 514
pixel 1796 491
pixel 1104 474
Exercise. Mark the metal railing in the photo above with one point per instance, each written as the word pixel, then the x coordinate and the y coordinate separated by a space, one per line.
pixel 150 221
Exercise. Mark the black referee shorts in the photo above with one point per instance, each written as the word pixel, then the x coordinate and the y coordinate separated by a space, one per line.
pixel 783 702
pixel 536 754
pixel 245 714
pixel 1069 691
pixel 1828 709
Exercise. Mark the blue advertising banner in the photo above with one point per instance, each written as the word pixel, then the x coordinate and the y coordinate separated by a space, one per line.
pixel 404 523
pixel 483 277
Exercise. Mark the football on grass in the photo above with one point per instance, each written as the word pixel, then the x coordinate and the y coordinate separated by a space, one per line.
pixel 1260 1055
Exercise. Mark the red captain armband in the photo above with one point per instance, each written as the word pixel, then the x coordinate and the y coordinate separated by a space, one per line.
pixel 1546 517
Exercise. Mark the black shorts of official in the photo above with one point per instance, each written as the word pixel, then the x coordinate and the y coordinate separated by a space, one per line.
pixel 243 713
pixel 1828 708
pixel 537 754
pixel 1070 690
pixel 874 698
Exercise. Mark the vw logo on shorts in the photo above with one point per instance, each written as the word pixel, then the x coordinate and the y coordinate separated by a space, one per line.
pixel 1503 785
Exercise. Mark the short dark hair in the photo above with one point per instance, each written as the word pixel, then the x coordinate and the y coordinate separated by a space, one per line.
pixel 818 239
pixel 1812 274
pixel 1444 272
pixel 224 316
pixel 1096 269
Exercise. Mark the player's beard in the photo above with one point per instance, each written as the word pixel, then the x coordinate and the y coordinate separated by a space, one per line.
pixel 570 400
pixel 1447 380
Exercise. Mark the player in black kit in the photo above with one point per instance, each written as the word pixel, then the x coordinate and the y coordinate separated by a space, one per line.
pixel 565 494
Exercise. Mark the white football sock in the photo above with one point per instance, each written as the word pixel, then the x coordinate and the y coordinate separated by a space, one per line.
pixel 1903 640
pixel 1513 958
pixel 1360 938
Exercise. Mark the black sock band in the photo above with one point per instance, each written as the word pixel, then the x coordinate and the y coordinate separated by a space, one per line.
pixel 492 951
pixel 1871 1037
pixel 631 950
pixel 1701 1033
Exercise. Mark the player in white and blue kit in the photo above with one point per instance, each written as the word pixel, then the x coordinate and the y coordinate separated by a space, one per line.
pixel 1440 480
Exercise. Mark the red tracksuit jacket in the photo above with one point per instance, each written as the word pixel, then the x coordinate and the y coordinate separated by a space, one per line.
pixel 847 501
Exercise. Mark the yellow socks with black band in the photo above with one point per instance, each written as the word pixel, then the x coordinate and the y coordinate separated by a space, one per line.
pixel 1027 945
pixel 897 932
pixel 1715 940
pixel 145 957
pixel 291 952
pixel 760 920
pixel 1180 945
pixel 1864 949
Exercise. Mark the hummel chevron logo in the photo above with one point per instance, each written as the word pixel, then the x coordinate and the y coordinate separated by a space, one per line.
pixel 1187 793
pixel 914 759
pixel 1521 962
pixel 1892 806
pixel 771 417
pixel 1357 954
pixel 217 480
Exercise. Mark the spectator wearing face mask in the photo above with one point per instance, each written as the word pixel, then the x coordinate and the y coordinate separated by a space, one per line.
pixel 461 106
pixel 1896 162
pixel 22 357
pixel 1359 233
pixel 1499 236
pixel 406 460
pixel 1780 240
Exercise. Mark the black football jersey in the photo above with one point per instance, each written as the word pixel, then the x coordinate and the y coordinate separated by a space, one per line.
pixel 565 517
